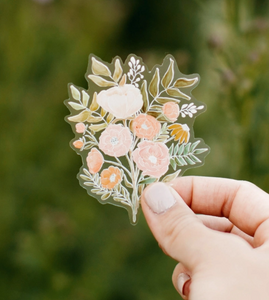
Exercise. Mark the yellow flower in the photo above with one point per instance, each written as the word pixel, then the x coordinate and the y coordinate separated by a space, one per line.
pixel 181 132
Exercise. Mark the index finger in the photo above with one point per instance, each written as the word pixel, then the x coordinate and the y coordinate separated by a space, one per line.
pixel 243 203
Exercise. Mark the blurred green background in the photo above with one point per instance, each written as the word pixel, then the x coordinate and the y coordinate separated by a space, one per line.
pixel 55 241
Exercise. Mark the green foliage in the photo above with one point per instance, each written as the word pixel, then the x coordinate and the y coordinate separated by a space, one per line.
pixel 55 241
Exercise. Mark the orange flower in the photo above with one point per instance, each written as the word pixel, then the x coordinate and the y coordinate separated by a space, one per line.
pixel 145 126
pixel 181 132
pixel 94 160
pixel 78 144
pixel 110 177
pixel 171 111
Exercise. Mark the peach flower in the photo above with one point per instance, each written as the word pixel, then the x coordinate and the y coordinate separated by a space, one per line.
pixel 94 160
pixel 78 144
pixel 80 127
pixel 145 126
pixel 121 101
pixel 152 158
pixel 171 111
pixel 115 140
pixel 181 132
pixel 110 177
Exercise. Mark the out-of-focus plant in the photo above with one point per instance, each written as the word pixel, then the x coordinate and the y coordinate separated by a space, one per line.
pixel 238 41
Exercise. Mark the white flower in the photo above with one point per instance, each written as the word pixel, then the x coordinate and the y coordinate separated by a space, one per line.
pixel 121 101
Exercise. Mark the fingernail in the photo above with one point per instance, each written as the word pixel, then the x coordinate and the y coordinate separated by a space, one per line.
pixel 159 197
pixel 182 279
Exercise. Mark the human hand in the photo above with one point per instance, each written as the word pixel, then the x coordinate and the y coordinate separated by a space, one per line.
pixel 224 252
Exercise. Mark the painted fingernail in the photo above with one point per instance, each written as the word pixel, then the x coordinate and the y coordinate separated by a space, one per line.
pixel 159 197
pixel 182 279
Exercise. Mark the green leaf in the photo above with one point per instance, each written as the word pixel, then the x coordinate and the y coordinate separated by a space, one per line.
pixel 180 150
pixel 88 183
pixel 189 161
pixel 105 196
pixel 76 106
pixel 169 75
pixel 177 93
pixel 199 151
pixel 181 161
pixel 75 92
pixel 194 145
pixel 176 149
pixel 84 177
pixel 82 117
pixel 163 100
pixel 171 176
pixel 187 149
pixel 185 82
pixel 92 119
pixel 148 180
pixel 171 149
pixel 127 183
pixel 145 96
pixel 94 105
pixel 99 68
pixel 103 112
pixel 85 98
pixel 109 118
pixel 154 84
pixel 173 163
pixel 156 107
pixel 118 70
pixel 101 82
pixel 98 127
pixel 194 158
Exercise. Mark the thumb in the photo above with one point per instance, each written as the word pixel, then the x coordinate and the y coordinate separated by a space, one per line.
pixel 175 226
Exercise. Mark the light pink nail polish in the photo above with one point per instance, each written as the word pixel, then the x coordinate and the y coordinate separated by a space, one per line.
pixel 159 198
pixel 182 279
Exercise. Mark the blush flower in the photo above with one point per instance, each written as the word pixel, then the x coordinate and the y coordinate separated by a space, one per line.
pixel 152 158
pixel 145 126
pixel 95 161
pixel 171 111
pixel 115 140
pixel 110 177
pixel 181 132
pixel 121 101
pixel 80 127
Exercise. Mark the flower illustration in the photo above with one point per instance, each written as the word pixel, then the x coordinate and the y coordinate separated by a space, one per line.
pixel 80 127
pixel 152 158
pixel 181 132
pixel 115 140
pixel 78 144
pixel 121 101
pixel 145 126
pixel 171 111
pixel 94 160
pixel 110 177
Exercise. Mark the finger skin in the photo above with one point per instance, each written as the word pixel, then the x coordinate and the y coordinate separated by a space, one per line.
pixel 180 232
pixel 224 225
pixel 243 203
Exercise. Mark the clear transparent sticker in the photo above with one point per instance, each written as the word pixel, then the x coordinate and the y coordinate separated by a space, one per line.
pixel 133 127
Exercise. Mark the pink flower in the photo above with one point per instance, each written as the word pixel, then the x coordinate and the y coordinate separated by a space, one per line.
pixel 80 127
pixel 171 111
pixel 115 140
pixel 145 126
pixel 152 158
pixel 121 101
pixel 95 161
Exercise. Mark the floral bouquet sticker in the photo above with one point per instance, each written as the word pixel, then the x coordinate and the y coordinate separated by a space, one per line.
pixel 133 127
